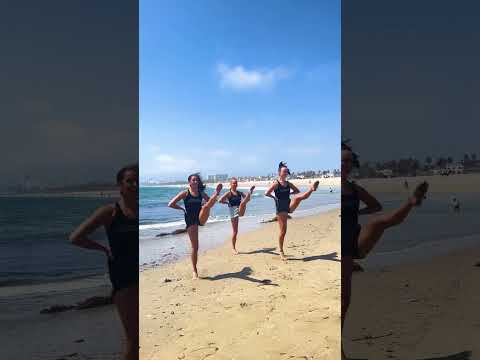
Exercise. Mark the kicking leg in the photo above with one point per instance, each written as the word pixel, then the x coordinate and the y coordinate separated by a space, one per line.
pixel 299 198
pixel 243 204
pixel 205 212
pixel 373 230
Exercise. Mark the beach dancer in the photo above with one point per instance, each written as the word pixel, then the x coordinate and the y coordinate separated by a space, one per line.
pixel 237 204
pixel 196 211
pixel 120 221
pixel 358 241
pixel 282 189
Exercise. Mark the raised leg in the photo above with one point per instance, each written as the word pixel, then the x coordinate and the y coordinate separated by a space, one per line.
pixel 303 196
pixel 205 211
pixel 373 230
pixel 193 235
pixel 243 204
pixel 126 301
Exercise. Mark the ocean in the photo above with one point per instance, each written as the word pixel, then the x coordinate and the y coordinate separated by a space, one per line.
pixel 156 218
pixel 430 230
pixel 34 245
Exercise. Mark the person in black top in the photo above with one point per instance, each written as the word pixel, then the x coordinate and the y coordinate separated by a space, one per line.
pixel 357 241
pixel 284 205
pixel 196 212
pixel 237 205
pixel 120 221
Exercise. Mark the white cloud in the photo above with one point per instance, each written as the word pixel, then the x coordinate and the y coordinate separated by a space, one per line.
pixel 239 78
pixel 165 163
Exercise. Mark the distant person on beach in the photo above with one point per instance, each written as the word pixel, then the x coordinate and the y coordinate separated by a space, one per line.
pixel 358 241
pixel 237 204
pixel 120 221
pixel 282 189
pixel 405 185
pixel 455 204
pixel 196 211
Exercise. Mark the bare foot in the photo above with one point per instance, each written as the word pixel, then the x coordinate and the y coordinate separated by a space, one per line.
pixel 251 189
pixel 234 251
pixel 218 189
pixel 419 194
pixel 282 256
pixel 315 185
pixel 195 275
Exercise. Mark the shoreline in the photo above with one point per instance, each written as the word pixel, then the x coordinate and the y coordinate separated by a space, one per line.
pixel 249 298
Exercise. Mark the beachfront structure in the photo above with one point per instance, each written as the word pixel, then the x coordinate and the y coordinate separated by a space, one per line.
pixel 455 168
pixel 385 173
pixel 217 178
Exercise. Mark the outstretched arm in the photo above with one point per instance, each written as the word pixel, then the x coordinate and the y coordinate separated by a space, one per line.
pixel 372 204
pixel 294 188
pixel 80 236
pixel 173 203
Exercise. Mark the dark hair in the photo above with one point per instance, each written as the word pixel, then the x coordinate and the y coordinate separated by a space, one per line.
pixel 355 161
pixel 201 185
pixel 125 169
pixel 283 165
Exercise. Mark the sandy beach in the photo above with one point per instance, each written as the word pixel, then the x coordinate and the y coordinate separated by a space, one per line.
pixel 420 311
pixel 252 305
pixel 25 333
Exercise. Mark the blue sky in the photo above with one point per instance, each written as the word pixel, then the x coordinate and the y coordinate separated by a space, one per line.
pixel 236 86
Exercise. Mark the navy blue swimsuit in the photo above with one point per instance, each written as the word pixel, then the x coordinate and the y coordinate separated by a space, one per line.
pixel 235 200
pixel 123 240
pixel 193 205
pixel 350 226
pixel 282 193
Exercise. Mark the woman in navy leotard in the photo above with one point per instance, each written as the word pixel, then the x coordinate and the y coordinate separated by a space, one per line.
pixel 237 204
pixel 120 221
pixel 196 211
pixel 282 189
pixel 358 241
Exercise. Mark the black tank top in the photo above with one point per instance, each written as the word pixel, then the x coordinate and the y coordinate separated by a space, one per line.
pixel 123 238
pixel 350 207
pixel 235 200
pixel 282 192
pixel 193 204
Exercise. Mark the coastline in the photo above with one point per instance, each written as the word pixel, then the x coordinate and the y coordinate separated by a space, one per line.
pixel 251 298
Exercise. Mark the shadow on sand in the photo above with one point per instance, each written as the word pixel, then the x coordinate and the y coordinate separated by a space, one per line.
pixel 333 256
pixel 261 251
pixel 243 274
pixel 464 355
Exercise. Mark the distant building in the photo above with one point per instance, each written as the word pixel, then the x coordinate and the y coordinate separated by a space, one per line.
pixel 385 173
pixel 455 168
pixel 217 177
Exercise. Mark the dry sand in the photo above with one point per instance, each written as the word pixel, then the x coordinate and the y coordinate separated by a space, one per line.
pixel 423 311
pixel 252 305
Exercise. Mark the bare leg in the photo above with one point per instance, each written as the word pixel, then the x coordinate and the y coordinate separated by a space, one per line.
pixel 205 212
pixel 373 230
pixel 282 222
pixel 347 266
pixel 299 198
pixel 126 301
pixel 193 234
pixel 243 204
pixel 234 234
